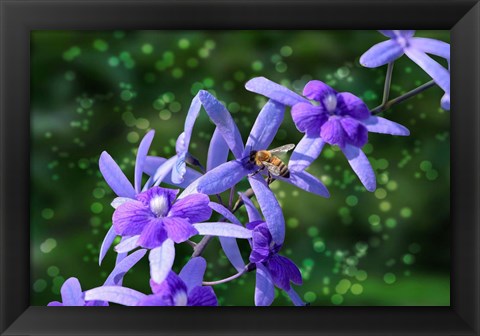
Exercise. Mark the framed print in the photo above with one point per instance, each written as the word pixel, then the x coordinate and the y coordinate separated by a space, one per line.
pixel 277 167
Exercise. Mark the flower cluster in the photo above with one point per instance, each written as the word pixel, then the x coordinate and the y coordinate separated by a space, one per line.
pixel 180 197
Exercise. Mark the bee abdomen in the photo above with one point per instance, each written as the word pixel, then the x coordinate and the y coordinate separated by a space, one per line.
pixel 284 172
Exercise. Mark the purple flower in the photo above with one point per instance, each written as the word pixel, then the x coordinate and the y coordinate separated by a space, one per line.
pixel 122 187
pixel 184 289
pixel 154 220
pixel 265 252
pixel 416 48
pixel 226 175
pixel 340 119
pixel 71 291
pixel 155 216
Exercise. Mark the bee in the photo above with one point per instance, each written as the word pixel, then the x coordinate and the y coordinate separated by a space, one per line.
pixel 268 159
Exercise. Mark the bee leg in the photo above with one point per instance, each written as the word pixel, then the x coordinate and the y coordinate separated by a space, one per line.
pixel 256 172
pixel 269 178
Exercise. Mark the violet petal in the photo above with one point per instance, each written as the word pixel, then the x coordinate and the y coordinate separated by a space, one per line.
pixel 431 46
pixel 270 208
pixel 274 91
pixel 192 273
pixel 381 54
pixel 381 125
pixel 252 211
pixel 307 150
pixel 264 289
pixel 72 293
pixel 115 278
pixel 309 118
pixel 130 218
pixel 220 116
pixel 114 176
pixel 439 74
pixel 217 151
pixel 351 105
pixel 127 245
pixel 141 156
pixel 116 294
pixel 222 229
pixel 178 229
pixel 307 182
pixel 222 178
pixel 265 127
pixel 361 166
pixel 107 242
pixel 296 299
pixel 161 260
pixel 232 251
pixel 194 207
pixel 224 212
pixel 202 296
pixel 318 90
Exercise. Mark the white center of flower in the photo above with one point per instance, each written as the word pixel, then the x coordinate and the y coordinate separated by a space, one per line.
pixel 180 298
pixel 330 102
pixel 159 205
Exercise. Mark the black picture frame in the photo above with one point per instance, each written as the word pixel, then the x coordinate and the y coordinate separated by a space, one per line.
pixel 19 17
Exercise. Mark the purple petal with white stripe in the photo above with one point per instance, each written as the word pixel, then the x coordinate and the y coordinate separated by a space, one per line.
pixel 381 54
pixel 220 116
pixel 116 294
pixel 265 127
pixel 222 229
pixel 192 273
pixel 431 46
pixel 270 208
pixel 439 74
pixel 140 161
pixel 361 166
pixel 274 91
pixel 114 176
pixel 222 178
pixel 381 125
pixel 161 260
pixel 217 150
pixel 115 278
pixel 307 150
pixel 307 182
pixel 72 293
pixel 264 289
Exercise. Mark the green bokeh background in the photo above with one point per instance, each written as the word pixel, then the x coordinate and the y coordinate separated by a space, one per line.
pixel 96 91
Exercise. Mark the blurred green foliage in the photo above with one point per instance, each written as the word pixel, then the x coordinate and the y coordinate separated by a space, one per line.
pixel 94 91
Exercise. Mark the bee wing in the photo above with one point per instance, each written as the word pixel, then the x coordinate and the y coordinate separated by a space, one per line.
pixel 274 170
pixel 282 149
